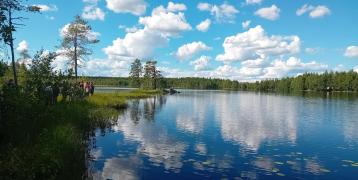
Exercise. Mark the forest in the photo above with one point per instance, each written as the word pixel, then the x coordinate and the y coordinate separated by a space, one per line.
pixel 327 81
pixel 144 77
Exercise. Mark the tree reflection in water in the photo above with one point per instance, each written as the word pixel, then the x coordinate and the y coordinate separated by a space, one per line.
pixel 146 108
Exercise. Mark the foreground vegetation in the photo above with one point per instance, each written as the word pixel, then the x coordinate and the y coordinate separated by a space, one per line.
pixel 39 141
pixel 42 135
pixel 45 139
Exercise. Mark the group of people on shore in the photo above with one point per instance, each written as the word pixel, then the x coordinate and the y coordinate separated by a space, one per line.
pixel 83 89
pixel 69 91
pixel 88 88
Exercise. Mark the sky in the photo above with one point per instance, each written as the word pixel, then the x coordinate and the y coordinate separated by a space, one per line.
pixel 243 40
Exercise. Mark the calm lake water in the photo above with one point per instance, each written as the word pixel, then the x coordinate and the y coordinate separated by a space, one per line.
pixel 231 135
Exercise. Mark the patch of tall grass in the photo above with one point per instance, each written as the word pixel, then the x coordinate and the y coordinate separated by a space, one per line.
pixel 118 100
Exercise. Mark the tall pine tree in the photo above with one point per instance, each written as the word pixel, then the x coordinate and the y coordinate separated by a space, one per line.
pixel 151 74
pixel 76 39
pixel 136 73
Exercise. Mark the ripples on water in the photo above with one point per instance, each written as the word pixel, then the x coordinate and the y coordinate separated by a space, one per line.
pixel 231 135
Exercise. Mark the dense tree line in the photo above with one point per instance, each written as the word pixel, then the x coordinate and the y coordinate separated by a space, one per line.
pixel 327 81
pixel 109 81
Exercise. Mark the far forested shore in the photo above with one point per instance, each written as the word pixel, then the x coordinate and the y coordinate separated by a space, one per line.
pixel 327 81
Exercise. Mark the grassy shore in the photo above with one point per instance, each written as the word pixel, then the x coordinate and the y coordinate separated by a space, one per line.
pixel 118 100
pixel 51 141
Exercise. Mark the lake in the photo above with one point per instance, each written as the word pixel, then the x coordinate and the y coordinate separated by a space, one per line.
pixel 231 135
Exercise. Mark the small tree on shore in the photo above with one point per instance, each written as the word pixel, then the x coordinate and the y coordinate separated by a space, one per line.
pixel 151 74
pixel 76 39
pixel 136 73
pixel 41 73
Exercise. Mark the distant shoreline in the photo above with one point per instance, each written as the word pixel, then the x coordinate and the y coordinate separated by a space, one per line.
pixel 131 88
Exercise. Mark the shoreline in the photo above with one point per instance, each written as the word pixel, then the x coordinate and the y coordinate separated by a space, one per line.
pixel 53 141
pixel 130 88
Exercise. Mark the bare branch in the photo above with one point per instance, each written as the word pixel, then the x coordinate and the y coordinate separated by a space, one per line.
pixel 17 24
pixel 19 18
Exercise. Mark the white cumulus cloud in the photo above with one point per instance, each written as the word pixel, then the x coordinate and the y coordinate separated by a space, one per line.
pixel 351 51
pixel 138 44
pixel 292 66
pixel 159 27
pixel 204 6
pixel 314 11
pixel 320 11
pixel 254 44
pixel 188 50
pixel 305 8
pixel 200 63
pixel 166 21
pixel 253 63
pixel 204 25
pixel 91 11
pixel 271 13
pixel 173 7
pixel 23 46
pixel 251 2
pixel 222 13
pixel 135 7
pixel 106 67
pixel 252 70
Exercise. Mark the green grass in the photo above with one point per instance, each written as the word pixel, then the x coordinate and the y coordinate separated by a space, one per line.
pixel 108 100
pixel 118 100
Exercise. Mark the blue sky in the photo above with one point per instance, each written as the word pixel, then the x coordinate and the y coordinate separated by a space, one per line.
pixel 281 38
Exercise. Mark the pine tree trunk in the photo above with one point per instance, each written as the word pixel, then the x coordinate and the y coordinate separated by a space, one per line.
pixel 75 62
pixel 12 49
pixel 75 55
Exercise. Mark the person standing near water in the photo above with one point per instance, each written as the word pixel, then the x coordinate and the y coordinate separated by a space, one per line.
pixel 87 88
pixel 92 89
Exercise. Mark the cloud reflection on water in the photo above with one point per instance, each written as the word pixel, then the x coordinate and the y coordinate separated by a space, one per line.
pixel 256 118
pixel 154 140
pixel 191 118
pixel 191 125
pixel 119 168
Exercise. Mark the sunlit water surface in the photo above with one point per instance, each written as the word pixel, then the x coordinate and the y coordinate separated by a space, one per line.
pixel 231 135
